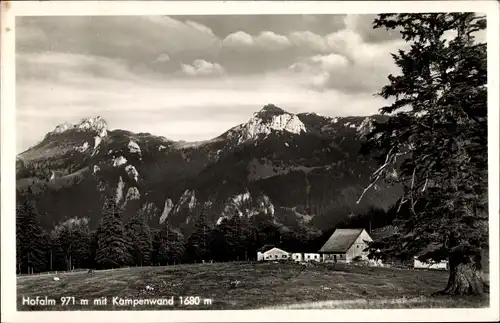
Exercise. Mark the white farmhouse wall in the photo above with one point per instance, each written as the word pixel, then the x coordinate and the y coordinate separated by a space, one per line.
pixel 358 246
pixel 334 257
pixel 312 257
pixel 297 256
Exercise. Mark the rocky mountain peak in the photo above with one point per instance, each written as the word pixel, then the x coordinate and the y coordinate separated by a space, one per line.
pixel 93 124
pixel 97 124
pixel 270 118
pixel 271 109
pixel 63 127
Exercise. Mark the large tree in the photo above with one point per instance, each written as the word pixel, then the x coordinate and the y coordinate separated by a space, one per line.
pixel 71 238
pixel 139 240
pixel 112 251
pixel 198 243
pixel 168 246
pixel 31 240
pixel 435 143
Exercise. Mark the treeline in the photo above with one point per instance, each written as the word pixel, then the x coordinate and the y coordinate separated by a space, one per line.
pixel 113 244
pixel 372 219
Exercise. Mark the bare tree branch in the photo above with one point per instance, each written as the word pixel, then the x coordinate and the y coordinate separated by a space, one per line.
pixel 387 162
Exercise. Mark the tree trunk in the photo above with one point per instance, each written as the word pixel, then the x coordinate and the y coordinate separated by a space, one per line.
pixel 465 273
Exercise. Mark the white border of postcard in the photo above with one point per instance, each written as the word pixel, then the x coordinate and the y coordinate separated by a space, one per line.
pixel 11 9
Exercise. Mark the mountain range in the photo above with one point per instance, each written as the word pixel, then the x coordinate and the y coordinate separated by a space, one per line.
pixel 296 170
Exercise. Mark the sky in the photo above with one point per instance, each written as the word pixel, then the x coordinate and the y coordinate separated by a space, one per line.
pixel 193 77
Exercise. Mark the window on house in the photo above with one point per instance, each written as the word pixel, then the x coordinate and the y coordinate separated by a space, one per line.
pixel 284 256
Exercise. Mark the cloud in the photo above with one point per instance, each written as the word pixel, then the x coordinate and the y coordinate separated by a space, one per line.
pixel 345 42
pixel 200 27
pixel 201 67
pixel 363 26
pixel 56 65
pixel 266 40
pixel 354 66
pixel 320 63
pixel 307 39
pixel 137 39
pixel 320 24
pixel 237 40
pixel 163 58
pixel 272 41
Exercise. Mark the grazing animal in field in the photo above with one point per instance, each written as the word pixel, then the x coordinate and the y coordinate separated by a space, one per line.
pixel 90 272
pixel 234 284
pixel 56 278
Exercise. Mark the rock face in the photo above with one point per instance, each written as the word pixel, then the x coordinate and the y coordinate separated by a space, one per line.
pixel 63 127
pixel 134 147
pixel 188 199
pixel 118 161
pixel 83 147
pixel 365 127
pixel 269 119
pixel 132 194
pixel 119 191
pixel 166 210
pixel 96 125
pixel 132 172
pixel 243 205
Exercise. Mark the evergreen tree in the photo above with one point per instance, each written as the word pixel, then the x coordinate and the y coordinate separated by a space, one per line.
pixel 72 238
pixel 168 246
pixel 56 255
pixel 112 249
pixel 139 240
pixel 241 235
pixel 224 241
pixel 198 244
pixel 435 143
pixel 32 241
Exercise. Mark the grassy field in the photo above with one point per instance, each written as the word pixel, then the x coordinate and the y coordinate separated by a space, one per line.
pixel 262 286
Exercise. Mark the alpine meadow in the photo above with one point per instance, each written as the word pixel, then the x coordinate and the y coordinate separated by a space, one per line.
pixel 252 161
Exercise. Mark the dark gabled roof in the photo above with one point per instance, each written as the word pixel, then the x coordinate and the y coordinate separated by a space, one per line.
pixel 266 247
pixel 341 240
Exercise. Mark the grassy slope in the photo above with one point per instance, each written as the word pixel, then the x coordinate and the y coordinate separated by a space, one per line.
pixel 263 285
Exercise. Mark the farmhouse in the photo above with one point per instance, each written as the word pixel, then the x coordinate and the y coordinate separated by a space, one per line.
pixel 345 244
pixel 271 253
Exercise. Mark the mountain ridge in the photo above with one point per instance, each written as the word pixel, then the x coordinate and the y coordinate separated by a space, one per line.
pixel 315 158
pixel 99 125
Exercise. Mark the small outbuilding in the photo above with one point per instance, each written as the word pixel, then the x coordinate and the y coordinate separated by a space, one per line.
pixel 297 256
pixel 344 245
pixel 312 257
pixel 268 253
pixel 430 264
